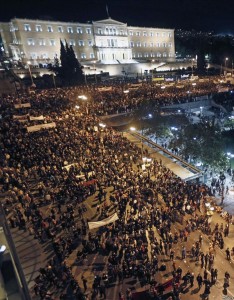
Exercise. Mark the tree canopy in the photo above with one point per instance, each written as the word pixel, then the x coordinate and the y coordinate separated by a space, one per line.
pixel 69 69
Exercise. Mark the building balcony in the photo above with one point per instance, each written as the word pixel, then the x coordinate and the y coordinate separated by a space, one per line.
pixel 111 35
pixel 111 47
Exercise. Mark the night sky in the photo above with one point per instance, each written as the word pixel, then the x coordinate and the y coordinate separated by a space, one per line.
pixel 185 14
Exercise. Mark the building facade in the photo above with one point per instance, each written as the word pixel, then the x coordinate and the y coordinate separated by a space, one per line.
pixel 106 41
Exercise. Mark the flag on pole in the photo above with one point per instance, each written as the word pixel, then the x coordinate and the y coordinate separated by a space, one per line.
pixel 107 11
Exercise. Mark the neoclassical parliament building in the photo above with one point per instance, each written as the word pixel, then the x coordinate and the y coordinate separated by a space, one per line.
pixel 101 42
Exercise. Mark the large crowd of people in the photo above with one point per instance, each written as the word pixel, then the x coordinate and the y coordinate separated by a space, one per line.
pixel 65 166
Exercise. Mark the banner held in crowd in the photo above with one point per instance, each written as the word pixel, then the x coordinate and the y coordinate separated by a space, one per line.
pixel 21 105
pixel 39 118
pixel 111 219
pixel 41 126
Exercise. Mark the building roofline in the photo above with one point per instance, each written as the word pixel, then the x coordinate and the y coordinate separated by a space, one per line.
pixel 49 21
pixel 135 27
pixel 81 23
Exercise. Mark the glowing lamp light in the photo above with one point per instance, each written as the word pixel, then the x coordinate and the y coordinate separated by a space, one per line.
pixel 132 128
pixel 102 125
pixel 2 249
pixel 83 97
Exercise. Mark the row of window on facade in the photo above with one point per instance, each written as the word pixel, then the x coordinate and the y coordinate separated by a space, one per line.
pixel 103 55
pixel 151 54
pixel 107 30
pixel 110 43
pixel 46 56
pixel 51 42
pixel 151 44
pixel 60 29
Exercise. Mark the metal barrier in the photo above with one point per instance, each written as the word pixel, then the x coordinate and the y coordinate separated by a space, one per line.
pixel 193 169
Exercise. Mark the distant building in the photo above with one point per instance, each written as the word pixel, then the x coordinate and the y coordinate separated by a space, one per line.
pixel 103 42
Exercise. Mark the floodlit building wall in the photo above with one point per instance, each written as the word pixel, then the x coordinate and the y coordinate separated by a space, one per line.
pixel 106 41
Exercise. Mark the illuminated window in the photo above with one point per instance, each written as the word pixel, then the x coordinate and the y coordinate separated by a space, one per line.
pixel 38 28
pixel 49 28
pixel 169 45
pixel 44 55
pixel 33 55
pixel 138 33
pixel 169 34
pixel 131 44
pixel 83 55
pixel 144 33
pixel 31 42
pixel 90 43
pixel 151 54
pixel 69 29
pixel 42 42
pixel 121 32
pixel 92 55
pixel 52 42
pixel 27 27
pixel 112 43
pixel 81 43
pixel 133 55
pixel 139 54
pixel 138 44
pixel 159 54
pixel 79 30
pixel 131 32
pixel 88 30
pixel 164 54
pixel 114 31
pixel 100 31
pixel 72 43
pixel 146 54
pixel 60 29
pixel 144 44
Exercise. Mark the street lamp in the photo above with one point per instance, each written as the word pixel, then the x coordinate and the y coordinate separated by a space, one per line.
pixel 225 71
pixel 126 91
pixel 102 125
pixel 94 67
pixel 134 129
pixel 230 156
pixel 30 73
pixel 84 98
pixel 192 65
pixel 201 108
